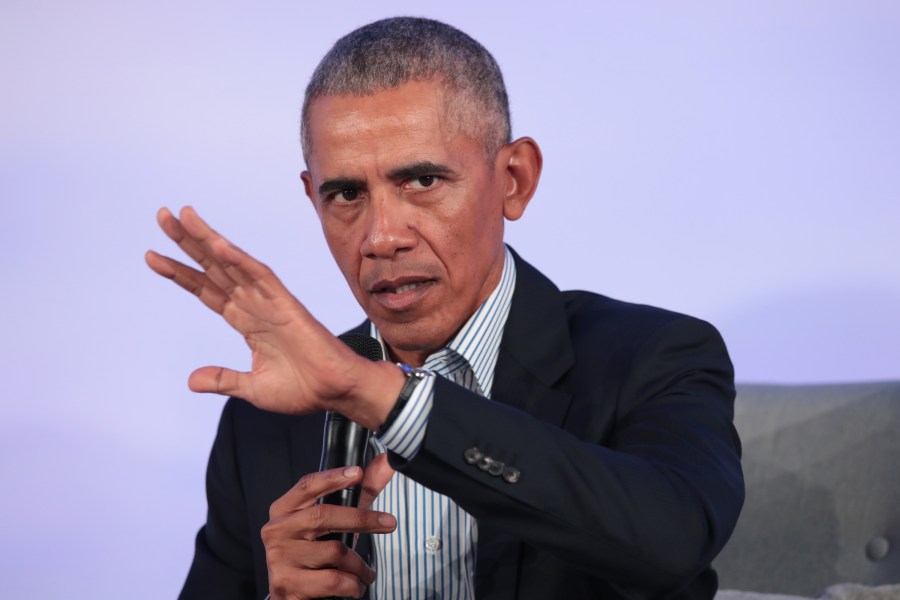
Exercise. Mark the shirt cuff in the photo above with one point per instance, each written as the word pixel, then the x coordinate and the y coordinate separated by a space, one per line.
pixel 407 432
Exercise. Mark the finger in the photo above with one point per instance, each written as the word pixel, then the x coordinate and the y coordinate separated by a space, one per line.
pixel 322 583
pixel 337 583
pixel 189 279
pixel 313 486
pixel 197 283
pixel 243 268
pixel 219 380
pixel 377 475
pixel 330 554
pixel 322 519
pixel 229 256
pixel 194 248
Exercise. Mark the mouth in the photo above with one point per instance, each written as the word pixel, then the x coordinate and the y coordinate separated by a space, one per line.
pixel 400 294
pixel 401 289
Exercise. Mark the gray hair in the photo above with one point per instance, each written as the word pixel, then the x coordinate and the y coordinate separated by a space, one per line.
pixel 391 52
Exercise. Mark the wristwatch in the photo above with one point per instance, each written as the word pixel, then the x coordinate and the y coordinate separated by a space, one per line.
pixel 414 376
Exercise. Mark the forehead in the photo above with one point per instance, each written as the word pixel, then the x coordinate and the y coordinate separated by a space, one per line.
pixel 389 126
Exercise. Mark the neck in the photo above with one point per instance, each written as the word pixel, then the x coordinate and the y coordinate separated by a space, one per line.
pixel 414 358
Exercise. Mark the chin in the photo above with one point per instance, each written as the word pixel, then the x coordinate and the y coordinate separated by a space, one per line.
pixel 414 337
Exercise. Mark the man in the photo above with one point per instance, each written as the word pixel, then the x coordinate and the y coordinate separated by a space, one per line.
pixel 561 445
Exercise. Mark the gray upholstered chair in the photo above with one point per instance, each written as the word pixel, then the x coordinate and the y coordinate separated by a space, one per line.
pixel 822 466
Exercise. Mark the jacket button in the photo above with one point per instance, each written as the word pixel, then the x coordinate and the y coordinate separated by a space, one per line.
pixel 496 468
pixel 485 463
pixel 511 475
pixel 473 455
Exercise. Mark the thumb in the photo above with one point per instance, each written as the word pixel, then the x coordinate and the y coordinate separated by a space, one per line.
pixel 377 475
pixel 219 380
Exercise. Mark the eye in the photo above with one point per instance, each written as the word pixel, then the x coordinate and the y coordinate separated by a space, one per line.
pixel 348 195
pixel 345 195
pixel 423 182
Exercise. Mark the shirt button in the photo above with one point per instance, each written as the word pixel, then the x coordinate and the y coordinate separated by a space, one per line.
pixel 432 545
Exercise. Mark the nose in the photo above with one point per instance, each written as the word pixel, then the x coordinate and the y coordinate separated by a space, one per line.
pixel 389 230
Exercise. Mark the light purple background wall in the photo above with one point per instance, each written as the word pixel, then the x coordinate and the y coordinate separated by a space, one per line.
pixel 737 161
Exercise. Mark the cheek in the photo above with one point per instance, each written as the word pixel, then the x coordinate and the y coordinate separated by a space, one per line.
pixel 345 252
pixel 478 224
pixel 467 238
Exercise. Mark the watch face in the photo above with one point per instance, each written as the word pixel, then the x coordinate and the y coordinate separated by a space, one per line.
pixel 414 371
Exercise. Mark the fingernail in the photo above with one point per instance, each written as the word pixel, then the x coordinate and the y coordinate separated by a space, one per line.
pixel 386 520
pixel 351 472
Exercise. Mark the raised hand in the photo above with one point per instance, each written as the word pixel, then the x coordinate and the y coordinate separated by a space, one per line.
pixel 302 567
pixel 297 365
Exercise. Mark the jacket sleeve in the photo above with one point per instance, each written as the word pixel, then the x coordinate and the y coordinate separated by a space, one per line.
pixel 223 566
pixel 639 484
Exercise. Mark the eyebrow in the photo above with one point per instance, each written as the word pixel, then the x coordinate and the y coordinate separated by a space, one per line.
pixel 411 171
pixel 420 169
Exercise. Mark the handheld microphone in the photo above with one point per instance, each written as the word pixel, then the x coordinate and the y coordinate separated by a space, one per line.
pixel 344 442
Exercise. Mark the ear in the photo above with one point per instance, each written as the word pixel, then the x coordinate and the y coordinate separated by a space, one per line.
pixel 520 164
pixel 308 187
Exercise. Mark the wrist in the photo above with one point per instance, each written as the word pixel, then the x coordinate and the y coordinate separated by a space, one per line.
pixel 373 395
pixel 414 377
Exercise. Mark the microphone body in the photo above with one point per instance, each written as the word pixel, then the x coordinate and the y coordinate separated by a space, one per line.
pixel 344 443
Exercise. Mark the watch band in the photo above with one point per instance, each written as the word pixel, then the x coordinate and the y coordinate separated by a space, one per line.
pixel 414 376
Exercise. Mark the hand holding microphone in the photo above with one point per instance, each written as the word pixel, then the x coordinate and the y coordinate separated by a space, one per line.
pixel 326 510
pixel 303 565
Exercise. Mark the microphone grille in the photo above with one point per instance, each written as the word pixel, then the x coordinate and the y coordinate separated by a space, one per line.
pixel 364 345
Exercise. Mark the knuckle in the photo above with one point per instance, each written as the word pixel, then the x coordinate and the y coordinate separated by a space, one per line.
pixel 278 508
pixel 274 557
pixel 305 482
pixel 219 378
pixel 308 479
pixel 278 582
pixel 343 583
pixel 267 533
pixel 317 516
pixel 366 520
pixel 334 550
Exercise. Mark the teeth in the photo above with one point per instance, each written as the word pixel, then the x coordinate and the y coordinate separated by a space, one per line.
pixel 406 288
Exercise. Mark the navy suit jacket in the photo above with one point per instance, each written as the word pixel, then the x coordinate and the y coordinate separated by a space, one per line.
pixel 617 416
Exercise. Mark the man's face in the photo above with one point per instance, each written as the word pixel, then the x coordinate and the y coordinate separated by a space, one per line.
pixel 411 209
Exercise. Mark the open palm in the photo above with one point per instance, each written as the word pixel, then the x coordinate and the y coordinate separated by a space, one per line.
pixel 297 365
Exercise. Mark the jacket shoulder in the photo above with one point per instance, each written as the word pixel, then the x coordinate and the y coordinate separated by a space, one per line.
pixel 628 323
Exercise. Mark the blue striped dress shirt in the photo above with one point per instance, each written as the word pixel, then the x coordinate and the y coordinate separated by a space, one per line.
pixel 431 554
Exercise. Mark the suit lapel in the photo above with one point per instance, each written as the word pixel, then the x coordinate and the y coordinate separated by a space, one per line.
pixel 535 353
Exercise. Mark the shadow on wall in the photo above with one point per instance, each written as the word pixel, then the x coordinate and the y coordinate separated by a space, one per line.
pixel 830 334
pixel 771 561
pixel 822 489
